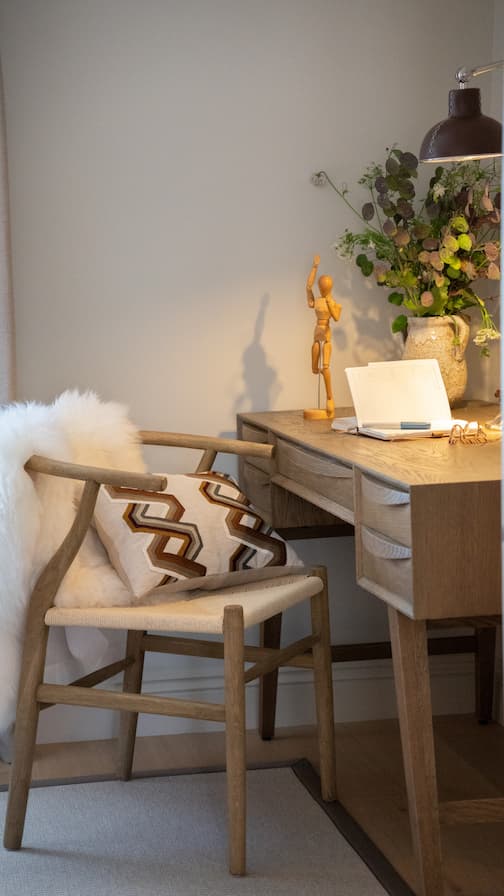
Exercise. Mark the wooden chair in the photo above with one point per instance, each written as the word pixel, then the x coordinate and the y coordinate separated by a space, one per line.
pixel 228 612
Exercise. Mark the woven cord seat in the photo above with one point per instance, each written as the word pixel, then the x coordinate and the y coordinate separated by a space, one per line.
pixel 195 612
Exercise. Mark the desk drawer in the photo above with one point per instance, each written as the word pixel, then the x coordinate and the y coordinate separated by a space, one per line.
pixel 384 508
pixel 386 563
pixel 331 479
pixel 256 485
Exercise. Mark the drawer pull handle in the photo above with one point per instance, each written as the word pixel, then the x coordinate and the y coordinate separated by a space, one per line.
pixel 380 494
pixel 383 547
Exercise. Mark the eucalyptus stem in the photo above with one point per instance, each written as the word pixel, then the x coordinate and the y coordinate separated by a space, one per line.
pixel 375 206
pixel 342 196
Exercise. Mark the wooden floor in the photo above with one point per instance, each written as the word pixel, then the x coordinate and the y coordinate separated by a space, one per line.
pixel 470 763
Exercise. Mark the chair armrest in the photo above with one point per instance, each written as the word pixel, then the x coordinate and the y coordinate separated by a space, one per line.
pixel 52 575
pixel 214 443
pixel 100 475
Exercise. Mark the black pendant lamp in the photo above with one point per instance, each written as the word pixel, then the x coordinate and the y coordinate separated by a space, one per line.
pixel 466 133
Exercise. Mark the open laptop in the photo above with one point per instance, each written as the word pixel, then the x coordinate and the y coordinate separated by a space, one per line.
pixel 399 400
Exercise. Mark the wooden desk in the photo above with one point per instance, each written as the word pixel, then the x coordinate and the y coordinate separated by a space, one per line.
pixel 427 531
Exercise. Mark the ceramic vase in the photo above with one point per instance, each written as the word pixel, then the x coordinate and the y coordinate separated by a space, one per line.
pixel 444 338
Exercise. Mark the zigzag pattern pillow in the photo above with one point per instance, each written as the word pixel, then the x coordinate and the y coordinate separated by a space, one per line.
pixel 201 526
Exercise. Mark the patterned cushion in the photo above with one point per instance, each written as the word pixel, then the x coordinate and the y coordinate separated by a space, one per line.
pixel 200 532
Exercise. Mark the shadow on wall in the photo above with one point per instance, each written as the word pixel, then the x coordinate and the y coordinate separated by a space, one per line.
pixel 372 316
pixel 261 383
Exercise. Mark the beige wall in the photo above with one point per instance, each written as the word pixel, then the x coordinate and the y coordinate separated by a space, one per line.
pixel 163 216
pixel 6 298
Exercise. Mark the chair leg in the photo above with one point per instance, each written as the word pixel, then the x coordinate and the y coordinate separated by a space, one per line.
pixel 25 732
pixel 132 684
pixel 271 630
pixel 234 684
pixel 485 672
pixel 322 668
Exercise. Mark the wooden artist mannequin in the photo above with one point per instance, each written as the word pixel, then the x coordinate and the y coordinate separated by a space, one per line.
pixel 325 309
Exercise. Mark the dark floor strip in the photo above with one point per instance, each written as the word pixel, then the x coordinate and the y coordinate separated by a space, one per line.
pixel 384 872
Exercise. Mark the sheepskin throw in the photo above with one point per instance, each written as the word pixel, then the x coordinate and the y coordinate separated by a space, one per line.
pixel 36 512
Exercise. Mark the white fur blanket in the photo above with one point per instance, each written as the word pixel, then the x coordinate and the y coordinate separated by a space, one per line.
pixel 36 512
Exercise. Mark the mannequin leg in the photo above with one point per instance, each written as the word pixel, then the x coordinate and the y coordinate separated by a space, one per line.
pixel 326 373
pixel 317 413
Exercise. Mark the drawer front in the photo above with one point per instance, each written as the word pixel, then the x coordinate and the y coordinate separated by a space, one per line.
pixel 386 563
pixel 256 485
pixel 333 480
pixel 384 508
pixel 254 434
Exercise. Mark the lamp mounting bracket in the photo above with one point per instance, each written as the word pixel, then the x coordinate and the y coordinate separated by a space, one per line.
pixel 465 74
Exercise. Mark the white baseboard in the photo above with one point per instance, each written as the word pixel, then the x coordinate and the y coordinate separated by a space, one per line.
pixel 362 690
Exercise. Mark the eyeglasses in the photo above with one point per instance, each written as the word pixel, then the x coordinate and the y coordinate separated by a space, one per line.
pixel 470 434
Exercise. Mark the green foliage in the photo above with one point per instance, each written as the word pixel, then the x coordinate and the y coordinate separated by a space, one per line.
pixel 366 266
pixel 400 324
pixel 430 253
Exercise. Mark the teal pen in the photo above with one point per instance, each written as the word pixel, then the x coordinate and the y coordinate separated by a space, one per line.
pixel 404 424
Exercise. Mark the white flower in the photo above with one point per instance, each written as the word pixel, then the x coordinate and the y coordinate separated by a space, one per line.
pixel 484 335
pixel 438 191
pixel 343 251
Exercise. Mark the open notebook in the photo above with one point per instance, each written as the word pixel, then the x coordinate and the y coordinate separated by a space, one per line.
pixel 398 400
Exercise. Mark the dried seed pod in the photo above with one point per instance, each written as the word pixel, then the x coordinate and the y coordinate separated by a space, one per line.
pixel 368 211
pixel 402 237
pixel 389 227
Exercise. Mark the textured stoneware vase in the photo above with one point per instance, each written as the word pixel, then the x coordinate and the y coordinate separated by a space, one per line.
pixel 444 338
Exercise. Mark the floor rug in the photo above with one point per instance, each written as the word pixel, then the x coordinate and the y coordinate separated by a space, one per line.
pixel 167 836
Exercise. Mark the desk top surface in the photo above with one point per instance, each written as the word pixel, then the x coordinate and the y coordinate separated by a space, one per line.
pixel 415 462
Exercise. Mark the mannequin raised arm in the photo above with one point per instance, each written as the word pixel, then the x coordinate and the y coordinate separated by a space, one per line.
pixel 311 280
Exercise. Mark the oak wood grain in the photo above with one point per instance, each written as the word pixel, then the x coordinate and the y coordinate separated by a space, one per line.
pixel 409 653
pixel 401 463
pixel 163 706
pixel 214 443
pixel 67 470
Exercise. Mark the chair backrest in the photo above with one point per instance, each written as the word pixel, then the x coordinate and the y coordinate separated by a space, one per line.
pixel 53 574
pixel 210 445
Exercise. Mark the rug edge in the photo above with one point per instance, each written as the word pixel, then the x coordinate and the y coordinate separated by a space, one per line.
pixel 345 824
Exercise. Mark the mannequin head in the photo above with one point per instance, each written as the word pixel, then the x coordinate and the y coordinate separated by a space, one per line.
pixel 325 285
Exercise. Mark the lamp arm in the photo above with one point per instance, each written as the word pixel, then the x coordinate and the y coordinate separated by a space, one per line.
pixel 465 74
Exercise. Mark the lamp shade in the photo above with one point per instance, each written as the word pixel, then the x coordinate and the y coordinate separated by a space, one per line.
pixel 465 134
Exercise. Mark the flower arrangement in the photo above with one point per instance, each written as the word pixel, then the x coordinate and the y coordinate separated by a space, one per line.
pixel 429 257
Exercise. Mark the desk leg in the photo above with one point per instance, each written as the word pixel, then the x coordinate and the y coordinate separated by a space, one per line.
pixel 485 671
pixel 271 632
pixel 411 674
